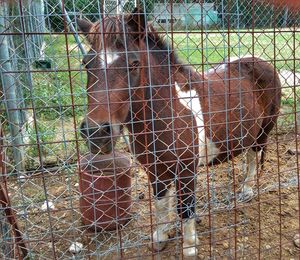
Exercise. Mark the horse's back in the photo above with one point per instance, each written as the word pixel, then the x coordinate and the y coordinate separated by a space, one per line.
pixel 242 100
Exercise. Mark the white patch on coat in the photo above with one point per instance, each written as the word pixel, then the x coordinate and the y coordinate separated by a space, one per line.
pixel 222 66
pixel 191 101
pixel 109 56
pixel 218 68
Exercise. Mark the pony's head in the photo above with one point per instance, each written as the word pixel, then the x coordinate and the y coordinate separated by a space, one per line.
pixel 113 70
pixel 126 56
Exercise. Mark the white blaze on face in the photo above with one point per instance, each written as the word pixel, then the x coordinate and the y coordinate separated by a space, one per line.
pixel 108 57
pixel 191 101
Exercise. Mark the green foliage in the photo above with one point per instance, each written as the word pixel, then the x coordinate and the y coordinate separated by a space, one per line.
pixel 45 134
pixel 249 14
pixel 234 14
pixel 52 96
pixel 91 9
pixel 54 92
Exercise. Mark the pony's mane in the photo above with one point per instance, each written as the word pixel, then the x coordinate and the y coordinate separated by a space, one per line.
pixel 111 30
pixel 106 32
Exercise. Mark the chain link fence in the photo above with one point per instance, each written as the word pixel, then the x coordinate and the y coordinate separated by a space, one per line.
pixel 46 169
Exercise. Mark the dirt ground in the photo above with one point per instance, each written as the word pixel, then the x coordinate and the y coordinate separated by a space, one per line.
pixel 262 228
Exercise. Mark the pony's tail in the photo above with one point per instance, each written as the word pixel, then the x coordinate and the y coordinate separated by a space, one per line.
pixel 267 87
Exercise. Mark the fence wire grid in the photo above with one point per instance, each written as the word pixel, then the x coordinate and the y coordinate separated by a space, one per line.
pixel 117 129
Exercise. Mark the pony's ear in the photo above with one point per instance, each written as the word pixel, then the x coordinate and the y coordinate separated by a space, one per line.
pixel 84 26
pixel 137 21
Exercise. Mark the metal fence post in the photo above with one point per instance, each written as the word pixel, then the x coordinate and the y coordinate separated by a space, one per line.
pixel 9 89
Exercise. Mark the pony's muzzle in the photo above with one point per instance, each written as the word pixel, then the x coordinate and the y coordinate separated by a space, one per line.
pixel 98 137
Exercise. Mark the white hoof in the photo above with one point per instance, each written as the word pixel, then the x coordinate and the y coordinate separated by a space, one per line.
pixel 189 251
pixel 160 239
pixel 158 246
pixel 190 239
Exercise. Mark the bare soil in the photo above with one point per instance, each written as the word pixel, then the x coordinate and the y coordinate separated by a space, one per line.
pixel 262 228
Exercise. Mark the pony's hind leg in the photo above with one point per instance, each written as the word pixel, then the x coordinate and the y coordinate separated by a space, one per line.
pixel 164 207
pixel 253 160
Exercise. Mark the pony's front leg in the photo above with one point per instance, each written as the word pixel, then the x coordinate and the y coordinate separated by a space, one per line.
pixel 164 208
pixel 186 210
pixel 190 239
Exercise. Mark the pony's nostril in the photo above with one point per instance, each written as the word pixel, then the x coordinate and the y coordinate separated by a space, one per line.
pixel 106 128
pixel 98 131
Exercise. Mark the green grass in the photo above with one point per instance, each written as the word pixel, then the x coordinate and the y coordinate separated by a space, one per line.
pixel 211 48
pixel 54 92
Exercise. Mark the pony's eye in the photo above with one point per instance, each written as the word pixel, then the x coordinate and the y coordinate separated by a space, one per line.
pixel 119 44
pixel 86 61
pixel 134 65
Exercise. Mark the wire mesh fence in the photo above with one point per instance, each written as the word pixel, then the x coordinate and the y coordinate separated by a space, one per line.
pixel 164 132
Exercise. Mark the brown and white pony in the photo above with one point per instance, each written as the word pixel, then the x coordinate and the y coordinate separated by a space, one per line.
pixel 178 119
